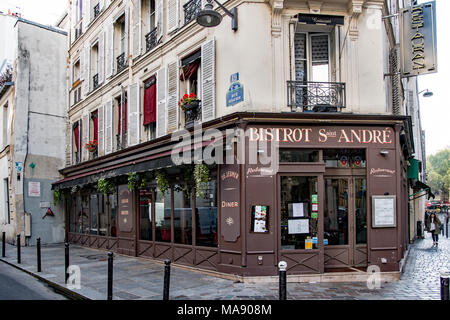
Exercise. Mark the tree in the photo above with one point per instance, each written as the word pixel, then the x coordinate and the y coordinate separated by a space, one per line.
pixel 438 167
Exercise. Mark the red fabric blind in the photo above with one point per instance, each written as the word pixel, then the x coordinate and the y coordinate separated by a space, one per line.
pixel 124 117
pixel 150 104
pixel 190 70
pixel 76 134
pixel 95 121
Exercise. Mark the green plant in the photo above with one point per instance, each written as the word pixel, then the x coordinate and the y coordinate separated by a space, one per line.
pixel 132 180
pixel 201 177
pixel 57 194
pixel 105 186
pixel 162 182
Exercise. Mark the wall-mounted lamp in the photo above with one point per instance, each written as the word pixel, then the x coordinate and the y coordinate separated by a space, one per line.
pixel 427 93
pixel 384 153
pixel 211 18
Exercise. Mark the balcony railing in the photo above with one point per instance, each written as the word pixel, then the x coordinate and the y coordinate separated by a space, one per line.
pixel 96 10
pixel 121 62
pixel 191 9
pixel 95 81
pixel 151 39
pixel 316 96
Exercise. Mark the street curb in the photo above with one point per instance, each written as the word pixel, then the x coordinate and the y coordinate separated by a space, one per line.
pixel 58 288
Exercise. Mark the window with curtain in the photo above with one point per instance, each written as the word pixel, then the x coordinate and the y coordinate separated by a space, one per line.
pixel 189 73
pixel 150 106
pixel 206 216
pixel 145 210
pixel 94 118
pixel 163 217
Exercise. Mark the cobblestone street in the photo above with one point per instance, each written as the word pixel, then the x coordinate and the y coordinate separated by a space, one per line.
pixel 136 278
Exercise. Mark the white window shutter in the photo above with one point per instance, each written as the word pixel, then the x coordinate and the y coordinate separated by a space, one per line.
pixel 108 126
pixel 159 19
pixel 136 27
pixel 101 57
pixel 86 14
pixel 101 121
pixel 109 45
pixel 133 116
pixel 84 137
pixel 208 81
pixel 172 15
pixel 161 102
pixel 172 96
pixel 69 138
pixel 126 33
pixel 102 4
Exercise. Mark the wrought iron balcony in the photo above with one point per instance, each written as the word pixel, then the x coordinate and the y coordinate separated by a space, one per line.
pixel 191 9
pixel 121 62
pixel 151 39
pixel 96 10
pixel 316 96
pixel 95 81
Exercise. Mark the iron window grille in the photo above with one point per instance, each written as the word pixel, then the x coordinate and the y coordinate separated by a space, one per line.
pixel 316 96
pixel 191 9
pixel 95 81
pixel 96 10
pixel 151 39
pixel 121 62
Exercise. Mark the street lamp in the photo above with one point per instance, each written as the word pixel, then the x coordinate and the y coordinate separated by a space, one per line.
pixel 211 18
pixel 427 93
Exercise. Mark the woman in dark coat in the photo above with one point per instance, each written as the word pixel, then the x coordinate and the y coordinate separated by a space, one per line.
pixel 434 227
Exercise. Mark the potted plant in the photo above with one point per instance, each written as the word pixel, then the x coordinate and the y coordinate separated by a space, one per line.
pixel 92 146
pixel 190 104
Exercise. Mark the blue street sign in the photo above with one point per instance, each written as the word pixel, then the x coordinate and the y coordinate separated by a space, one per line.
pixel 235 92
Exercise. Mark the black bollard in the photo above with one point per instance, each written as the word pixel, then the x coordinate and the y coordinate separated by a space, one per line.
pixel 166 279
pixel 3 244
pixel 38 254
pixel 66 261
pixel 446 230
pixel 445 277
pixel 18 248
pixel 282 266
pixel 110 275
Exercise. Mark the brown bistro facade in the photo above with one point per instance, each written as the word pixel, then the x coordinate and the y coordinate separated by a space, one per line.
pixel 336 199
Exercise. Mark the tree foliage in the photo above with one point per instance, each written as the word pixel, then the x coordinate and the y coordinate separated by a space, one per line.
pixel 438 169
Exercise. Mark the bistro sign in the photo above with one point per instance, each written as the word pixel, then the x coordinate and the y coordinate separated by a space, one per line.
pixel 418 39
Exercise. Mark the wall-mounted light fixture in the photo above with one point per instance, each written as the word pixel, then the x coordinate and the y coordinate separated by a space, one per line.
pixel 384 153
pixel 426 94
pixel 211 18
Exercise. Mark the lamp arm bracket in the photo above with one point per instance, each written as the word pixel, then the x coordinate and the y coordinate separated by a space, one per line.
pixel 224 9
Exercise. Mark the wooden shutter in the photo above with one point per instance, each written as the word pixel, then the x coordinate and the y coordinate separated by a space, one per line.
pixel 109 126
pixel 101 141
pixel 109 45
pixel 172 15
pixel 85 67
pixel 159 19
pixel 208 81
pixel 395 81
pixel 69 138
pixel 126 33
pixel 136 27
pixel 161 102
pixel 133 117
pixel 172 96
pixel 84 137
pixel 101 57
pixel 86 14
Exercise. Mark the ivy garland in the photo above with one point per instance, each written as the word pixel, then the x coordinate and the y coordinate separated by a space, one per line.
pixel 132 180
pixel 105 186
pixel 162 182
pixel 201 177
pixel 57 194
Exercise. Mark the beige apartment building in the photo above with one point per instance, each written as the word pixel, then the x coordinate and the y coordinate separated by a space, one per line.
pixel 321 75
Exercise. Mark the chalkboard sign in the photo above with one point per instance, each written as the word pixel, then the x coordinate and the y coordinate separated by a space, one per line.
pixel 383 211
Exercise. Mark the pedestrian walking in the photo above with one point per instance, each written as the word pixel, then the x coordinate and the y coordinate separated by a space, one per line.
pixel 434 227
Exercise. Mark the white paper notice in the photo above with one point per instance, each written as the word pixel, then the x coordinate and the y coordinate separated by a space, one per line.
pixel 34 189
pixel 298 210
pixel 260 226
pixel 384 212
pixel 298 226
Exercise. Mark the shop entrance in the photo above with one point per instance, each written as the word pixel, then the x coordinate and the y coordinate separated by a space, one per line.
pixel 345 223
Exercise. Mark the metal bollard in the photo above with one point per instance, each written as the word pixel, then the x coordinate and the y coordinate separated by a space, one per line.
pixel 446 230
pixel 18 248
pixel 66 261
pixel 445 277
pixel 166 279
pixel 38 254
pixel 110 275
pixel 282 266
pixel 3 244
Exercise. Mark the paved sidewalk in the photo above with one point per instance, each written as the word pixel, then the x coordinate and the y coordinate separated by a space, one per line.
pixel 142 279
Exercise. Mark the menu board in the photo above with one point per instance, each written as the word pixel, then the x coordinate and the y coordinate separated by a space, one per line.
pixel 260 219
pixel 383 211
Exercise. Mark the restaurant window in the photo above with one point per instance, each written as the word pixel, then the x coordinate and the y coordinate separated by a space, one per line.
pixel 150 107
pixel 299 215
pixel 163 217
pixel 206 216
pixel 145 212
pixel 360 210
pixel 112 199
pixel 344 158
pixel 336 211
pixel 102 216
pixel 84 214
pixel 298 155
pixel 182 215
pixel 94 213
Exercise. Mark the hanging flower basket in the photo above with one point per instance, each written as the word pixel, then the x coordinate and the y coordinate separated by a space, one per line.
pixel 190 104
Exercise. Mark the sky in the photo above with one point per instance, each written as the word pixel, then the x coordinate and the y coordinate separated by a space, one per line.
pixel 435 112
